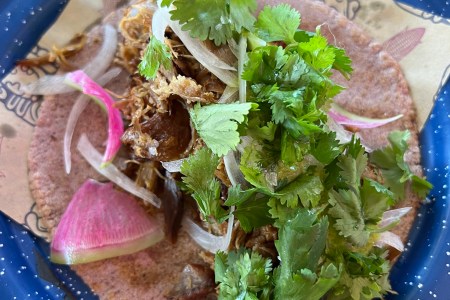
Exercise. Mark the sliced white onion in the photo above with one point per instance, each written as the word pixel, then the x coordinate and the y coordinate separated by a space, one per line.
pixel 160 23
pixel 173 166
pixel 206 240
pixel 54 84
pixel 230 94
pixel 233 47
pixel 392 216
pixel 94 158
pixel 79 106
pixel 242 58
pixel 202 54
pixel 232 168
pixel 390 239
pixel 246 140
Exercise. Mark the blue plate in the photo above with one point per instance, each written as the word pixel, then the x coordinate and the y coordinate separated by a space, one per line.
pixel 26 271
pixel 422 272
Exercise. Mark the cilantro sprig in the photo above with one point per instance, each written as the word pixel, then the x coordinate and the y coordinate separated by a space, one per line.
pixel 214 20
pixel 156 54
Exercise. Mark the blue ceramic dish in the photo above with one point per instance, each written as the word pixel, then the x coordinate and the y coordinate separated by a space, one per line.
pixel 422 272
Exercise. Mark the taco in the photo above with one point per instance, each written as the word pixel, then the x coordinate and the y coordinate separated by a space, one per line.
pixel 377 89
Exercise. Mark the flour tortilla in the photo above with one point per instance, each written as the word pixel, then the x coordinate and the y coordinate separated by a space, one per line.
pixel 377 89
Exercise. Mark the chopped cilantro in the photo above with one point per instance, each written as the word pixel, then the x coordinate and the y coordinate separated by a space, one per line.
pixel 300 246
pixel 277 23
pixel 243 275
pixel 396 171
pixel 215 20
pixel 252 210
pixel 300 179
pixel 156 54
pixel 349 217
pixel 198 171
pixel 217 124
pixel 306 188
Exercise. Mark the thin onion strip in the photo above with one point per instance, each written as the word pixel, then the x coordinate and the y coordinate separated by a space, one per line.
pixel 390 239
pixel 242 58
pixel 229 95
pixel 206 240
pixel 173 166
pixel 392 217
pixel 202 54
pixel 344 117
pixel 94 158
pixel 232 169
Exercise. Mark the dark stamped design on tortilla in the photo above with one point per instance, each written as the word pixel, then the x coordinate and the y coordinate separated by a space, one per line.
pixel 33 222
pixel 348 8
pixel 426 15
pixel 24 106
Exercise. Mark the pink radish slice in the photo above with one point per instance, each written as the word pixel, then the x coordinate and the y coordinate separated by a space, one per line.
pixel 87 86
pixel 101 222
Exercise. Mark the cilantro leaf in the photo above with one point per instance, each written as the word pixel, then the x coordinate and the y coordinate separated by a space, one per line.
pixel 317 52
pixel 346 209
pixel 261 64
pixel 236 196
pixel 243 275
pixel 277 23
pixel 395 170
pixel 241 13
pixel 252 210
pixel 281 213
pixel 215 20
pixel 376 199
pixel 252 170
pixel 204 19
pixel 353 164
pixel 166 3
pixel 253 213
pixel 301 241
pixel 342 62
pixel 300 245
pixel 217 124
pixel 198 170
pixel 155 54
pixel 326 147
pixel 306 285
pixel 346 203
pixel 306 188
pixel 365 276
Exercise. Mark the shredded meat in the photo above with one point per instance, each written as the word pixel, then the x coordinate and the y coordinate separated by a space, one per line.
pixel 58 55
pixel 161 136
pixel 260 240
pixel 195 282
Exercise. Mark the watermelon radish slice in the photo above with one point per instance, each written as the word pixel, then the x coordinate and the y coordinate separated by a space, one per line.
pixel 101 222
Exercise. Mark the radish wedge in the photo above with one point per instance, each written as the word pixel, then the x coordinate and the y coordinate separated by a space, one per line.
pixel 101 222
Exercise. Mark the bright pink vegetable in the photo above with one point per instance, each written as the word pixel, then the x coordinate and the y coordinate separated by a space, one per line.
pixel 85 84
pixel 344 117
pixel 101 222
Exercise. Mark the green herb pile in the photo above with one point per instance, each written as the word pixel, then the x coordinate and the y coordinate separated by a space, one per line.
pixel 299 177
